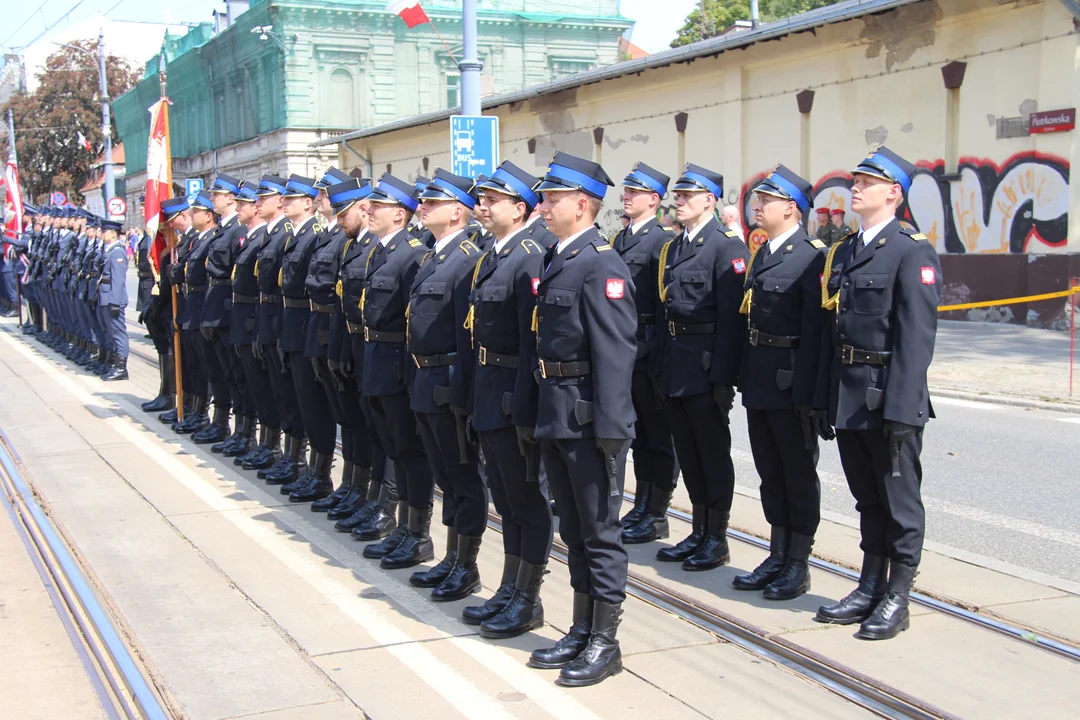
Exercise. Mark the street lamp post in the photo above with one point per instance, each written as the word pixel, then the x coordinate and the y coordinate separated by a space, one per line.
pixel 103 87
pixel 470 66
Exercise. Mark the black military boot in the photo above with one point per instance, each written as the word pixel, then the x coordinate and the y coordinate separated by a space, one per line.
pixel 166 397
pixel 602 657
pixel 196 421
pixel 118 371
pixel 367 508
pixel 795 579
pixel 288 468
pixel 170 416
pixel 216 431
pixel 685 548
pixel 713 550
pixel 860 603
pixel 571 644
pixel 464 579
pixel 270 454
pixel 245 442
pixel 343 490
pixel 397 535
pixel 319 484
pixel 106 364
pixel 642 491
pixel 416 547
pixel 433 576
pixel 254 452
pixel 891 616
pixel 653 523
pixel 476 614
pixel 358 490
pixel 221 446
pixel 303 472
pixel 771 567
pixel 524 612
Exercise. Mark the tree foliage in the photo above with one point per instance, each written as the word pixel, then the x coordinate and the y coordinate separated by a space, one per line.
pixel 67 101
pixel 713 17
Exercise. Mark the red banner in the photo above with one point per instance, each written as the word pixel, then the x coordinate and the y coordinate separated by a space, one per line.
pixel 158 174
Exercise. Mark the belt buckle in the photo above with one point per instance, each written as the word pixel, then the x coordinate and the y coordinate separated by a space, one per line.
pixel 543 369
pixel 311 305
pixel 483 355
pixel 416 362
pixel 366 334
pixel 753 339
pixel 847 355
pixel 671 328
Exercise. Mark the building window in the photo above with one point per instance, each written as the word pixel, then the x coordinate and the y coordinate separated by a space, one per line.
pixel 343 99
pixel 453 90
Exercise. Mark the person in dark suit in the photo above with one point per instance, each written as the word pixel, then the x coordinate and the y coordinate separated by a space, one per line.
pixel 586 323
pixel 882 286
pixel 782 302
pixel 697 366
pixel 639 245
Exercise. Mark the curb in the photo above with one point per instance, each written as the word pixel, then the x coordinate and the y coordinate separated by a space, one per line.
pixel 1005 400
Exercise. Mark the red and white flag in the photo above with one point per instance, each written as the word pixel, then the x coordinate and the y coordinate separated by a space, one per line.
pixel 410 11
pixel 85 143
pixel 158 178
pixel 13 213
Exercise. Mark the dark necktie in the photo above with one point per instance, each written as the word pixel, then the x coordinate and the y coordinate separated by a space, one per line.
pixel 859 245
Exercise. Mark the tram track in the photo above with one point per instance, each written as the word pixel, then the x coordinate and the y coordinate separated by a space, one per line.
pixel 862 690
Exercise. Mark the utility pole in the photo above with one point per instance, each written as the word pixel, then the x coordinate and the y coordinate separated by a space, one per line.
pixel 469 66
pixel 106 124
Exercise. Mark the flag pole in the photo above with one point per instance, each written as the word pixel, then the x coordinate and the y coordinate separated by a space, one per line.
pixel 177 364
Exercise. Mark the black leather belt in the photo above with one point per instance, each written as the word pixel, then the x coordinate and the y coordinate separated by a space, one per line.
pixel 645 319
pixel 487 357
pixel 380 336
pixel 268 297
pixel 424 361
pixel 145 275
pixel 549 369
pixel 354 329
pixel 677 328
pixel 848 355
pixel 245 299
pixel 756 337
pixel 329 309
pixel 297 303
pixel 220 282
pixel 193 288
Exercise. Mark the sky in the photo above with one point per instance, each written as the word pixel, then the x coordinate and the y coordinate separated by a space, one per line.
pixel 25 20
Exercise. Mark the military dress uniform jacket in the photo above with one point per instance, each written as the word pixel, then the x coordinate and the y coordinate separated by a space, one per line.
pixel 112 286
pixel 83 259
pixel 292 276
pixel 503 298
pixel 881 334
pixel 220 256
pixel 321 285
pixel 586 325
pixel 641 253
pixel 438 337
pixel 352 277
pixel 145 273
pixel 196 280
pixel 245 286
pixel 390 274
pixel 267 272
pixel 178 270
pixel 782 354
pixel 97 267
pixel 702 286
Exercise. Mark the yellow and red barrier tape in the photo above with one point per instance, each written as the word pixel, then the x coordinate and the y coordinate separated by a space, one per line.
pixel 1009 301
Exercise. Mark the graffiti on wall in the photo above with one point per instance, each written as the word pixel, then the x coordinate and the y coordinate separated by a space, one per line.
pixel 1019 206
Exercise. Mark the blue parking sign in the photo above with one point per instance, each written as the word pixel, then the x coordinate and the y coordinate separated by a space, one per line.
pixel 192 187
pixel 474 145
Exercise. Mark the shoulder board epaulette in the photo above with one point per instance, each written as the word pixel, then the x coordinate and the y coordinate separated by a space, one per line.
pixel 530 246
pixel 817 243
pixel 468 248
pixel 917 236
pixel 731 233
pixel 601 248
pixel 413 242
pixel 287 225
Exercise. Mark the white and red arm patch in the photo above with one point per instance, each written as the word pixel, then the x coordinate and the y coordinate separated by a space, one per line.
pixel 739 266
pixel 535 285
pixel 928 275
pixel 615 289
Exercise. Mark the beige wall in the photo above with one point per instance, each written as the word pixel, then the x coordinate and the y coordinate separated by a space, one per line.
pixel 876 79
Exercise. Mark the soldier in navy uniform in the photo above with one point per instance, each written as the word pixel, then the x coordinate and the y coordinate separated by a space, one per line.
pixel 700 288
pixel 113 298
pixel 387 367
pixel 586 323
pixel 782 302
pixel 439 343
pixel 345 357
pixel 242 332
pixel 503 298
pixel 195 284
pixel 655 469
pixel 279 233
pixel 299 204
pixel 882 286
pixel 156 313
pixel 217 318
